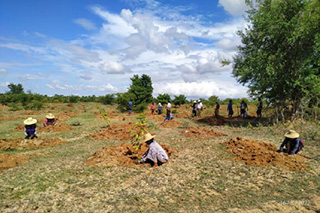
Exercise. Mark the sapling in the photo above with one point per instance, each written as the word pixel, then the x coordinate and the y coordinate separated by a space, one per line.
pixel 105 117
pixel 137 132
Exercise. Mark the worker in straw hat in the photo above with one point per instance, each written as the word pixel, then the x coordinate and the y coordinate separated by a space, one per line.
pixel 30 128
pixel 292 143
pixel 155 154
pixel 49 120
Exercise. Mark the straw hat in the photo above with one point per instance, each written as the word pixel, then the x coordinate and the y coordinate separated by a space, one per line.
pixel 291 134
pixel 50 116
pixel 194 101
pixel 30 121
pixel 147 137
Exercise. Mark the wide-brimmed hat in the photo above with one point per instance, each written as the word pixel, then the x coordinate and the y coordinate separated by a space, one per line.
pixel 30 121
pixel 291 134
pixel 199 100
pixel 194 101
pixel 147 137
pixel 50 116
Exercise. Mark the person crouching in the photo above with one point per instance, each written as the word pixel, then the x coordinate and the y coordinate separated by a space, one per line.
pixel 155 155
pixel 291 143
pixel 49 120
pixel 30 128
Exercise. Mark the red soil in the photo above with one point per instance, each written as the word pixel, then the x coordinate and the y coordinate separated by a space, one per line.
pixel 212 121
pixel 6 144
pixel 260 153
pixel 115 132
pixel 170 124
pixel 9 161
pixel 65 115
pixel 120 154
pixel 196 132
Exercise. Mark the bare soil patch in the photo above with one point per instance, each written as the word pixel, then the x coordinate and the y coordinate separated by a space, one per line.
pixel 10 161
pixel 197 132
pixel 6 144
pixel 58 127
pixel 212 121
pixel 66 115
pixel 170 124
pixel 261 153
pixel 115 132
pixel 121 155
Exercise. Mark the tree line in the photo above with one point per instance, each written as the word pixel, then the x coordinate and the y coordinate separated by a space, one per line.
pixel 140 93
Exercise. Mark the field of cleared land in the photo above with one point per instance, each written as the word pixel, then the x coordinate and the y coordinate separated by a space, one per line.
pixel 216 165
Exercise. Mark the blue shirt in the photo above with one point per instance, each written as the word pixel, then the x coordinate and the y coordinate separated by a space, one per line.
pixel 294 145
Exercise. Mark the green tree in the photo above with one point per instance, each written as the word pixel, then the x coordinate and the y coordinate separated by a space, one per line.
pixel 141 88
pixel 178 100
pixel 279 58
pixel 163 98
pixel 15 88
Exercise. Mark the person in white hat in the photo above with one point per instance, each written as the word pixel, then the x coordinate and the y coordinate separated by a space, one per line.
pixel 30 128
pixel 199 108
pixel 155 154
pixel 292 143
pixel 159 108
pixel 49 120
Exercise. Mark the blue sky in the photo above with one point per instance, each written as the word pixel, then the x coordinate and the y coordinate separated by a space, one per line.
pixel 93 47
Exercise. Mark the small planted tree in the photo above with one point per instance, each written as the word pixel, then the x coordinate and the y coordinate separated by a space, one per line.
pixel 137 131
pixel 105 117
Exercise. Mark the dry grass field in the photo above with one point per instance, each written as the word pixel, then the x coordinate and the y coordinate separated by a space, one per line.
pixel 51 173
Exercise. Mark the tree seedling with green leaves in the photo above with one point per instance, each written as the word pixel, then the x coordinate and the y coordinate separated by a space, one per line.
pixel 105 117
pixel 137 132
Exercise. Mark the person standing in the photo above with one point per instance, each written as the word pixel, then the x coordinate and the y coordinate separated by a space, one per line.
pixel 243 109
pixel 159 108
pixel 153 109
pixel 229 109
pixel 194 109
pixel 216 111
pixel 199 108
pixel 130 107
pixel 168 111
pixel 259 111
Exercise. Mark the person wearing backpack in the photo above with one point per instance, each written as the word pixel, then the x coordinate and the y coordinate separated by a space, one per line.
pixel 291 143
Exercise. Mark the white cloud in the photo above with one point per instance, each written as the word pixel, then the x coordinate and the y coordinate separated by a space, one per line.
pixel 202 89
pixel 71 88
pixel 3 71
pixel 112 67
pixel 234 7
pixel 40 35
pixel 85 23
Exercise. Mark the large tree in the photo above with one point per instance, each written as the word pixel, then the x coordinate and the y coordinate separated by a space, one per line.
pixel 140 93
pixel 279 57
pixel 15 88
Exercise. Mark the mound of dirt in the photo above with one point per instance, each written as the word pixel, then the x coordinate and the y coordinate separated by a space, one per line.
pixel 121 154
pixel 115 132
pixel 59 127
pixel 260 153
pixel 212 121
pixel 170 124
pixel 6 144
pixel 196 132
pixel 66 115
pixel 9 161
